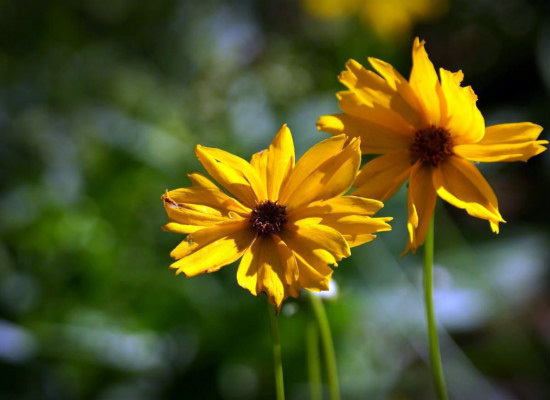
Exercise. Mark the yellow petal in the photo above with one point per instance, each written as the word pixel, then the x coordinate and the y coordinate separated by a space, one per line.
pixel 356 229
pixel 380 178
pixel 461 116
pixel 209 249
pixel 314 157
pixel 199 180
pixel 259 163
pixel 505 142
pixel 425 84
pixel 349 215
pixel 233 173
pixel 313 278
pixel 280 162
pixel 317 244
pixel 460 183
pixel 375 139
pixel 188 215
pixel 262 269
pixel 519 132
pixel 344 205
pixel 207 199
pixel 370 97
pixel 399 84
pixel 421 199
pixel 180 228
pixel 330 179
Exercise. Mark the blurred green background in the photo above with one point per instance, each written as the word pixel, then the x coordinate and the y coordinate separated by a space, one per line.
pixel 101 105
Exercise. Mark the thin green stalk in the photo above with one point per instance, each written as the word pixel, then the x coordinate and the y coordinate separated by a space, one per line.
pixel 277 361
pixel 328 345
pixel 313 361
pixel 435 356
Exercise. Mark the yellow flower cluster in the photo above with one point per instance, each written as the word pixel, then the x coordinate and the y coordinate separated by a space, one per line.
pixel 388 18
pixel 289 221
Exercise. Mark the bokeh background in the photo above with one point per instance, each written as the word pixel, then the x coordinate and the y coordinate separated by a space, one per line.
pixel 101 105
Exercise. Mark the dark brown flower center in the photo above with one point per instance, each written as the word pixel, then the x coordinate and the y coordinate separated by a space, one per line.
pixel 432 145
pixel 268 217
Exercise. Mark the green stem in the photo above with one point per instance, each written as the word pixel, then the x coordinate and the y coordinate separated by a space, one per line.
pixel 328 345
pixel 435 356
pixel 277 361
pixel 313 361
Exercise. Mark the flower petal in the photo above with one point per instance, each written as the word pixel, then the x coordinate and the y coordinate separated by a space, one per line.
pixel 421 200
pixel 313 278
pixel 380 178
pixel 370 97
pixel 505 142
pixel 460 183
pixel 399 84
pixel 315 243
pixel 199 180
pixel 209 249
pixel 233 173
pixel 180 228
pixel 259 163
pixel 329 179
pixel 424 82
pixel 375 139
pixel 349 215
pixel 205 200
pixel 344 205
pixel 356 229
pixel 280 162
pixel 266 267
pixel 460 116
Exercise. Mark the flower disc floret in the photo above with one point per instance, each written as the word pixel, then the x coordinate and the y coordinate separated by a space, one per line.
pixel 268 217
pixel 432 145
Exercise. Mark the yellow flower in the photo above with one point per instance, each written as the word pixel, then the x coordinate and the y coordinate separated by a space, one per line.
pixel 388 18
pixel 428 130
pixel 287 221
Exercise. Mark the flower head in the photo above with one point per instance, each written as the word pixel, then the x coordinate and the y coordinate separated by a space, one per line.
pixel 428 130
pixel 287 221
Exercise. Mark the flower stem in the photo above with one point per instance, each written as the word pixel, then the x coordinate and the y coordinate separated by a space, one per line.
pixel 313 362
pixel 328 345
pixel 435 356
pixel 277 361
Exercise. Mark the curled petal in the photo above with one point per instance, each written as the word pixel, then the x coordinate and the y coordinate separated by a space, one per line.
pixel 460 183
pixel 269 266
pixel 421 199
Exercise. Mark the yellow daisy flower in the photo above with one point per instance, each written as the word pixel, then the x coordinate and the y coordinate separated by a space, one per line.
pixel 287 221
pixel 428 131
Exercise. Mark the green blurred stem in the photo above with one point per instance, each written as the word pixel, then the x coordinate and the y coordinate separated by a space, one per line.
pixel 328 345
pixel 277 361
pixel 313 359
pixel 435 356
